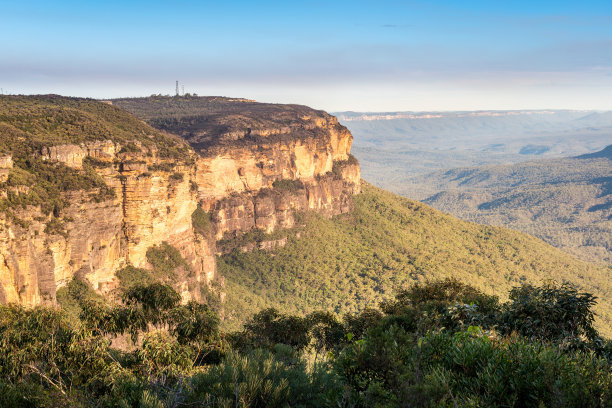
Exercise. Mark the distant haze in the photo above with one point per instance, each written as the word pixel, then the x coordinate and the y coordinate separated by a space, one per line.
pixel 341 55
pixel 393 147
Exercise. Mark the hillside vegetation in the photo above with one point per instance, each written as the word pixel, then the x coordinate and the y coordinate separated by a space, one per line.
pixel 566 202
pixel 30 123
pixel 440 344
pixel 388 242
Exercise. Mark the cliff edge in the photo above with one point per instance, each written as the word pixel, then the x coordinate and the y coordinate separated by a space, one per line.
pixel 86 189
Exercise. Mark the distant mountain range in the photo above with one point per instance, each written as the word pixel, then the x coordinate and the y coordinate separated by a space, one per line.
pixel 394 146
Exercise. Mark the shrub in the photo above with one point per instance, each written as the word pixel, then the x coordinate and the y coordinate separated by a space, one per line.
pixel 73 296
pixel 167 167
pixel 161 359
pixel 38 346
pixel 358 324
pixel 131 276
pixel 288 185
pixel 552 312
pixel 439 293
pixel 263 379
pixel 56 226
pixel 340 164
pixel 155 300
pixel 201 221
pixel 391 367
pixel 269 327
pixel 165 259
pixel 176 177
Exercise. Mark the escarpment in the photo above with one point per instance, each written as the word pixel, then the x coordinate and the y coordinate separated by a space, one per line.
pixel 258 163
pixel 87 190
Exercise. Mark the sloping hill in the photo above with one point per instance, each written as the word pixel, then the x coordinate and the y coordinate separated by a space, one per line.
pixel 605 153
pixel 355 260
pixel 567 202
pixel 28 123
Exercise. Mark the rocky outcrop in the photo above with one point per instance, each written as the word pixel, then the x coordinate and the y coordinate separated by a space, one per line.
pixel 38 256
pixel 71 155
pixel 270 209
pixel 6 164
pixel 258 182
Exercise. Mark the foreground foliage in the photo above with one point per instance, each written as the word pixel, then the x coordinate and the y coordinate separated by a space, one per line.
pixel 438 344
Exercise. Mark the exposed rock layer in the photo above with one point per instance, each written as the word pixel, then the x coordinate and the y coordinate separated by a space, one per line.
pixel 155 199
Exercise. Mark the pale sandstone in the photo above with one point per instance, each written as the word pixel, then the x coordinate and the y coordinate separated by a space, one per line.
pixel 69 154
pixel 6 164
pixel 233 183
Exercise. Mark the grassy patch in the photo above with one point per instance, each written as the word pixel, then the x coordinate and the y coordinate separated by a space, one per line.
pixel 131 276
pixel 201 221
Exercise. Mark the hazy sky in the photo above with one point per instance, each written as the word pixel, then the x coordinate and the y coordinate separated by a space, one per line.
pixel 335 55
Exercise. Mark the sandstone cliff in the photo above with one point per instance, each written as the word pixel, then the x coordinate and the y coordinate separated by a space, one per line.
pixel 245 171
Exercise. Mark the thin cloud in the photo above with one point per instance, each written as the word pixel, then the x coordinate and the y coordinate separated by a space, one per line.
pixel 396 26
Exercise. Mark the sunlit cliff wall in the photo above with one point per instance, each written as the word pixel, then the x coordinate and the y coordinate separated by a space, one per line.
pixel 235 181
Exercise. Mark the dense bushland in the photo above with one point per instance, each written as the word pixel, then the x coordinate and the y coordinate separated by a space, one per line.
pixel 566 202
pixel 435 344
pixel 30 122
pixel 387 242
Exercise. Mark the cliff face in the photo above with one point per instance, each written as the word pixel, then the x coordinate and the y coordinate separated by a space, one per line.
pixel 256 177
pixel 93 239
pixel 238 184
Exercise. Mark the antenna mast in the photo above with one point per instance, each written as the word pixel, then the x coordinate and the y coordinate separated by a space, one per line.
pixel 183 89
pixel 177 89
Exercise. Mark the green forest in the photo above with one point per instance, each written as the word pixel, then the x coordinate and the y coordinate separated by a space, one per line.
pixel 387 243
pixel 435 344
pixel 567 202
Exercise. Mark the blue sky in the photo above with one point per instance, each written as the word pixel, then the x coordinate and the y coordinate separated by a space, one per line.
pixel 335 55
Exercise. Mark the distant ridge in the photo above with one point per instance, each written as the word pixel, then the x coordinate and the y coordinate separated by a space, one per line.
pixel 605 153
pixel 566 202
